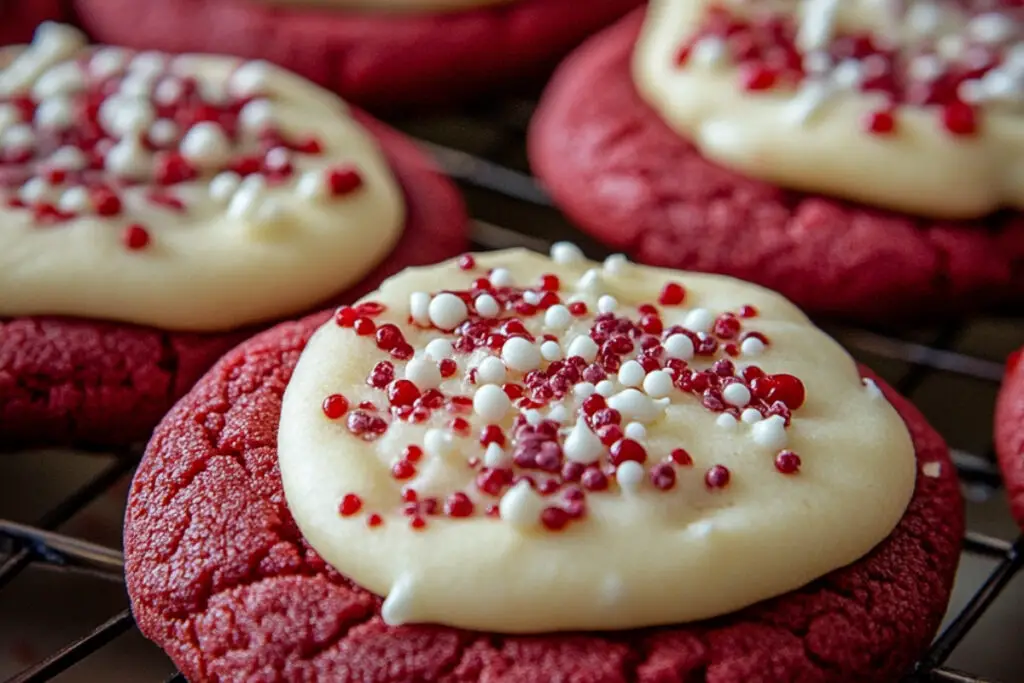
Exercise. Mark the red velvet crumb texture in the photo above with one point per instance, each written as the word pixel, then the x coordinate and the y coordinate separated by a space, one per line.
pixel 375 61
pixel 623 175
pixel 1010 433
pixel 99 384
pixel 19 18
pixel 221 578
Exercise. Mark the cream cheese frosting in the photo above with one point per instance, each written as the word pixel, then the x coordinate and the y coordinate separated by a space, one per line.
pixel 920 110
pixel 392 6
pixel 188 193
pixel 512 443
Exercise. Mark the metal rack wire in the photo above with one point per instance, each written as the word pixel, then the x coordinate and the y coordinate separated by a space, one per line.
pixel 23 545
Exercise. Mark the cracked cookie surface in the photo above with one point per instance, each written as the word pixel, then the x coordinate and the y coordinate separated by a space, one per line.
pixel 623 175
pixel 221 578
pixel 99 384
pixel 375 61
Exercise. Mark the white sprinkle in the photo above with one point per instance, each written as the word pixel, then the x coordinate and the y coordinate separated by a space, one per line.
pixel 447 311
pixel 9 116
pixel 607 304
pixel 521 506
pixel 658 384
pixel 971 91
pixel 149 63
pixel 591 281
pixel 558 414
pixel 519 354
pixel 491 403
pixel 490 371
pixel 34 190
pixel 557 318
pixel 419 308
pixel 635 431
pixel 848 74
pixel 582 445
pixel 709 52
pixel 501 277
pixel 566 253
pixel 629 475
pixel 20 136
pixel 311 185
pixel 932 469
pixel 533 417
pixel 700 529
pixel 277 158
pixel 924 18
pixel 817 26
pixel 256 116
pixel 584 390
pixel 699 320
pixel 107 62
pixel 214 92
pixel 531 297
pixel 605 388
pixel 992 28
pixel 817 63
pixel 65 78
pixel 224 185
pixel 584 347
pixel 736 394
pixel 1000 85
pixel 679 346
pixel 872 388
pixel 74 200
pixel 751 416
pixel 250 79
pixel 770 432
pixel 726 421
pixel 137 85
pixel 487 306
pixel 163 132
pixel 631 374
pixel 551 351
pixel 925 68
pixel 810 97
pixel 128 159
pixel 438 443
pixel 439 349
pixel 396 609
pixel 68 158
pixel 248 197
pixel 423 373
pixel 55 113
pixel 130 117
pixel 52 38
pixel 634 405
pixel 495 456
pixel 616 264
pixel 951 47
pixel 752 346
pixel 168 91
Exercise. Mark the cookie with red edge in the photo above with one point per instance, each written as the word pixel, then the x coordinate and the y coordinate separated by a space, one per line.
pixel 386 59
pixel 231 581
pixel 19 19
pixel 98 380
pixel 1009 424
pixel 615 166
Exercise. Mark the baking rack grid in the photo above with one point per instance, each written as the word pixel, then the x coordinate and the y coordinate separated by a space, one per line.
pixel 487 160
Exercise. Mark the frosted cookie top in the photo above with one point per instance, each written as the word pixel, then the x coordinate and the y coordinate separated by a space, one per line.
pixel 191 192
pixel 512 443
pixel 915 106
pixel 395 6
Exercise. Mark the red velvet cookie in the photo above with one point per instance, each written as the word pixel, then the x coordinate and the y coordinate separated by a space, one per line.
pixel 221 578
pixel 622 174
pixel 19 18
pixel 90 383
pixel 1010 433
pixel 375 61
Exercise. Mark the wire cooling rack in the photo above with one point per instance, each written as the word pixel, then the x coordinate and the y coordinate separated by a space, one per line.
pixel 511 210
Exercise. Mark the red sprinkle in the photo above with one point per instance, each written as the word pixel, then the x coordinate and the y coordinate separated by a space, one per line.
pixel 374 520
pixel 350 505
pixel 364 327
pixel 787 462
pixel 672 294
pixel 448 367
pixel 663 476
pixel 681 457
pixel 458 505
pixel 412 453
pixel 136 237
pixel 346 316
pixel 959 118
pixel 335 406
pixel 550 283
pixel 717 477
pixel 554 519
pixel 418 523
pixel 403 469
pixel 880 122
pixel 402 392
pixel 467 262
pixel 627 449
pixel 343 180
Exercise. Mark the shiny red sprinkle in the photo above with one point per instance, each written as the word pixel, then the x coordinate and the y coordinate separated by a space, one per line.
pixel 467 262
pixel 672 294
pixel 663 476
pixel 549 282
pixel 364 327
pixel 371 309
pixel 627 449
pixel 881 122
pixel 402 392
pixel 717 477
pixel 458 505
pixel 782 387
pixel 681 457
pixel 388 337
pixel 594 480
pixel 460 426
pixel 755 76
pixel 578 308
pixel 418 523
pixel 136 237
pixel 787 462
pixel 748 311
pixel 403 469
pixel 492 434
pixel 350 505
pixel 346 316
pixel 412 453
pixel 374 520
pixel 335 406
pixel 343 180
pixel 959 118
pixel 594 403
pixel 554 519
pixel 448 367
